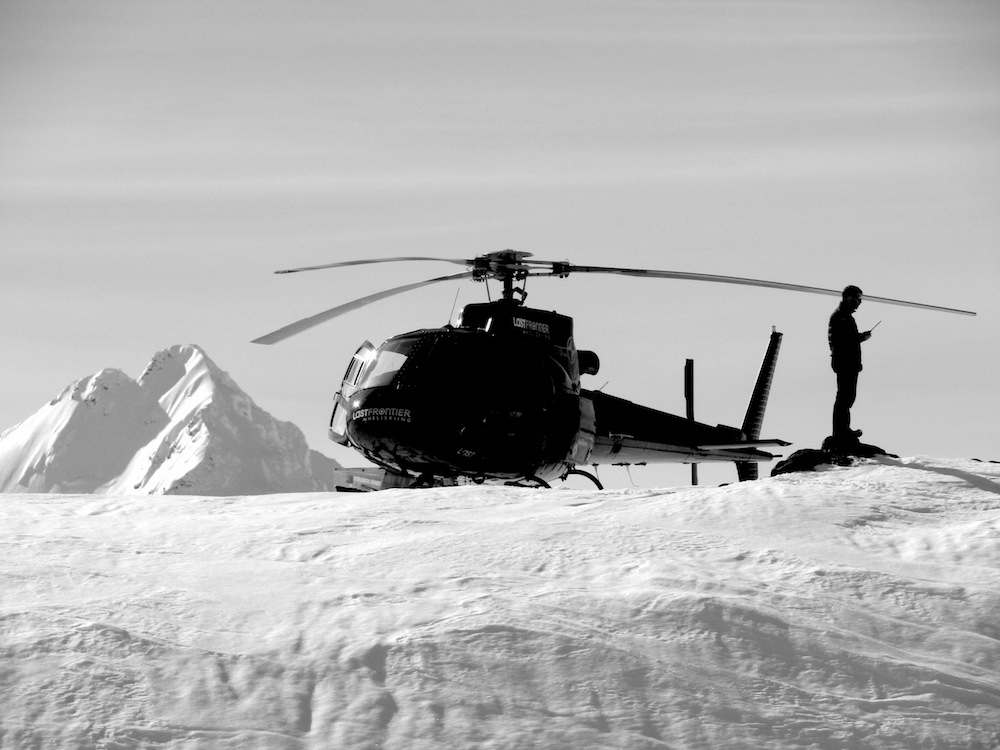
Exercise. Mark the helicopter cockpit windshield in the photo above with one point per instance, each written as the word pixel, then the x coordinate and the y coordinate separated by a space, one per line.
pixel 388 360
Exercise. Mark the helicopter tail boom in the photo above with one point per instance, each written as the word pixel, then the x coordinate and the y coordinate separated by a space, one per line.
pixel 627 433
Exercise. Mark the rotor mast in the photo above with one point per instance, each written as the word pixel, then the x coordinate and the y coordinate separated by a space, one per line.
pixel 507 266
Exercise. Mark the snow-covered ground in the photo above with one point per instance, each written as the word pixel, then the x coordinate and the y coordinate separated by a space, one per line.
pixel 850 608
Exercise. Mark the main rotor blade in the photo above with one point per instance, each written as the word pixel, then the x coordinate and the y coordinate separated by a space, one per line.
pixel 566 268
pixel 314 320
pixel 374 260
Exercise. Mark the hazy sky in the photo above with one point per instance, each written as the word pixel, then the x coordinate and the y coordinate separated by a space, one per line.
pixel 159 159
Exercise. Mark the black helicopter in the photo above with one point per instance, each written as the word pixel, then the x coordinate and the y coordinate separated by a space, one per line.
pixel 499 396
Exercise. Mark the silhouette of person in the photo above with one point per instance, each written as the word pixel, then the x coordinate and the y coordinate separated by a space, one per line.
pixel 845 358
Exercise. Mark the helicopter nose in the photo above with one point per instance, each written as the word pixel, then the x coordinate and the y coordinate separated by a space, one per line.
pixel 372 412
pixel 384 423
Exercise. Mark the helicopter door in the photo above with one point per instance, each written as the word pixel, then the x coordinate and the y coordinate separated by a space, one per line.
pixel 338 420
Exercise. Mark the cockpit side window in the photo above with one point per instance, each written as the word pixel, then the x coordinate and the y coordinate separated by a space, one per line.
pixel 361 357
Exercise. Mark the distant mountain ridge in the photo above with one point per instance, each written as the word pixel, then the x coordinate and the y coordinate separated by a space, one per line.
pixel 183 427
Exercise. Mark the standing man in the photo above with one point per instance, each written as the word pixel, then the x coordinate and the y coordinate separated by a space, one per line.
pixel 845 357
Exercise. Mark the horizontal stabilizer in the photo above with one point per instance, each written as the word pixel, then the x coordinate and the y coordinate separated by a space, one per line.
pixel 744 444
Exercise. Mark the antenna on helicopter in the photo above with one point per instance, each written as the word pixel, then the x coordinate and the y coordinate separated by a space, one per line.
pixel 454 304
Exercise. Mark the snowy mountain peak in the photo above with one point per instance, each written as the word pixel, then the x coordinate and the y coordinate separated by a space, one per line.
pixel 184 427
pixel 184 370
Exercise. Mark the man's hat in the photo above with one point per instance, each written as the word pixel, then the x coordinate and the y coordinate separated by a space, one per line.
pixel 850 291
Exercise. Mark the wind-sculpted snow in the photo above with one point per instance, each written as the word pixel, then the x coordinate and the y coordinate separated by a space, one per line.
pixel 184 427
pixel 847 609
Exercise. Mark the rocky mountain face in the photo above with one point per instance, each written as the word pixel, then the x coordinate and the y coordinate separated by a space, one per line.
pixel 183 427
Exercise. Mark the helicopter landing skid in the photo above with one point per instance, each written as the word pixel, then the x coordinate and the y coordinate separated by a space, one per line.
pixel 582 473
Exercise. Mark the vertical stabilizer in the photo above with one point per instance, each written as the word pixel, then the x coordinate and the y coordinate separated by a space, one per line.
pixel 758 403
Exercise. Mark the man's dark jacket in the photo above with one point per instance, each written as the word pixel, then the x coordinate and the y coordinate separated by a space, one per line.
pixel 845 342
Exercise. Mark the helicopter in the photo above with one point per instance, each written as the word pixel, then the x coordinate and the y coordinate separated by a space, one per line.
pixel 498 396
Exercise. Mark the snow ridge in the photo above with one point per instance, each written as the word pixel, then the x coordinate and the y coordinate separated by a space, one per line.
pixel 851 608
pixel 184 427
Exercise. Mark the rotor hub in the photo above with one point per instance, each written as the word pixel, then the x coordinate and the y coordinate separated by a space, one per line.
pixel 508 267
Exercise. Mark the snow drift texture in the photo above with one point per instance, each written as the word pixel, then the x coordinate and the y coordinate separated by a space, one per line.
pixel 184 427
pixel 846 609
